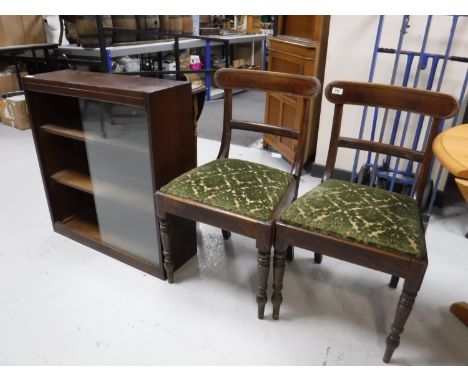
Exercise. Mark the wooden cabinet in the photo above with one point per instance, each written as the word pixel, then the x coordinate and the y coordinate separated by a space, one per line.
pixel 303 51
pixel 105 144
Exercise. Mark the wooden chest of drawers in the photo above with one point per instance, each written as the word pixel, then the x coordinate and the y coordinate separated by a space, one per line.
pixel 297 55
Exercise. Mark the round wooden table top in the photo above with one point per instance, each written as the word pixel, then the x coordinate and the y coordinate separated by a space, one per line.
pixel 451 149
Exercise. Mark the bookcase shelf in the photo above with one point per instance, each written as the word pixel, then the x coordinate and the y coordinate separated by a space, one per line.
pixel 82 226
pixel 74 179
pixel 63 131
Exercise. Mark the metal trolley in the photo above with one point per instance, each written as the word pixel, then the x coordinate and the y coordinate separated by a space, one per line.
pixel 393 174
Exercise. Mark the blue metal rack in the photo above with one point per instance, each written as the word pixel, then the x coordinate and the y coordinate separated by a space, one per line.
pixel 382 173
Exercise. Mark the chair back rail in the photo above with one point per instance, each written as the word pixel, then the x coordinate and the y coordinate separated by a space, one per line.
pixel 264 128
pixel 380 147
pixel 436 105
pixel 432 104
pixel 267 81
pixel 305 87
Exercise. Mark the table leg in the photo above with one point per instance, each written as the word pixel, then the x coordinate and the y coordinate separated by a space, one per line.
pixel 460 310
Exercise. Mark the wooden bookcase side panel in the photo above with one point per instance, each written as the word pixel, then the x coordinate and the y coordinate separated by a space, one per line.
pixel 179 143
pixel 180 146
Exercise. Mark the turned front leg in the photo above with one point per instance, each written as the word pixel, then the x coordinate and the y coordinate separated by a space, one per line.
pixel 405 304
pixel 279 259
pixel 263 271
pixel 165 226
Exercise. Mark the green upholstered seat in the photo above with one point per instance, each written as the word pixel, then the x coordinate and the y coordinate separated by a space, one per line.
pixel 361 214
pixel 234 185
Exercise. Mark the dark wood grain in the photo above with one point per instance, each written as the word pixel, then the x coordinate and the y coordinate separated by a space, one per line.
pixel 369 257
pixel 170 206
pixel 265 128
pixel 227 117
pixel 302 137
pixel 433 104
pixel 383 148
pixel 292 84
pixel 75 179
pixel 436 105
pixel 426 162
pixel 333 147
pixel 263 270
pixel 53 102
pixel 63 131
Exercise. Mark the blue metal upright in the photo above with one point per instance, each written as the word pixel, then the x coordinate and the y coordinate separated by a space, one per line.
pixel 439 85
pixel 208 66
pixel 109 60
pixel 388 173
pixel 403 31
pixel 371 78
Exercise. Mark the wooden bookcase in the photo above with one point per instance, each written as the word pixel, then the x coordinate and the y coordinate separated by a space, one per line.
pixel 105 144
pixel 299 48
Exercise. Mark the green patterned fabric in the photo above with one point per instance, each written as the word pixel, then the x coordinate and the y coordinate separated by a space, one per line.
pixel 239 186
pixel 362 214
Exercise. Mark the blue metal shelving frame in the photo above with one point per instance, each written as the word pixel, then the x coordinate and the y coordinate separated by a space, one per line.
pixel 385 170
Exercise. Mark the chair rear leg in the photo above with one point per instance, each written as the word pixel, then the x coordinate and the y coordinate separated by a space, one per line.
pixel 263 269
pixel 318 258
pixel 394 282
pixel 165 226
pixel 405 304
pixel 226 234
pixel 290 253
pixel 279 259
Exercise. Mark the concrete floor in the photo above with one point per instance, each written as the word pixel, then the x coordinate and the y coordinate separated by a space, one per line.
pixel 62 303
pixel 247 106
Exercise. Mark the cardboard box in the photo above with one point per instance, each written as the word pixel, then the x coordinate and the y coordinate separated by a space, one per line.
pixel 21 30
pixel 11 30
pixel 2 103
pixel 9 81
pixel 34 32
pixel 253 24
pixel 238 62
pixel 14 112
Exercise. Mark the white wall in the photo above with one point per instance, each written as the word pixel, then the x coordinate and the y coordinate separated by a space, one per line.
pixel 350 47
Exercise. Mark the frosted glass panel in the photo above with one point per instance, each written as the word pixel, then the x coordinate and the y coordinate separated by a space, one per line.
pixel 117 142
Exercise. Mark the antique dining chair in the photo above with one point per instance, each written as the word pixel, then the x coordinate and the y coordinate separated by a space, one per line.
pixel 238 195
pixel 367 226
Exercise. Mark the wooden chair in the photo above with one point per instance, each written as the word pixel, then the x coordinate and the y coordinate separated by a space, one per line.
pixel 367 226
pixel 237 195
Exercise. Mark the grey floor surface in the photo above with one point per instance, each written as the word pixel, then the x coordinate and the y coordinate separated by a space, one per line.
pixel 249 106
pixel 62 303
